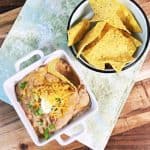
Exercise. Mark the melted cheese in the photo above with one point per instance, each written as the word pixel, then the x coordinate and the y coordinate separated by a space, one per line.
pixel 55 98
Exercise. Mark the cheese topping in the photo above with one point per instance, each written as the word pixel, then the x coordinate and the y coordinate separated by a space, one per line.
pixel 55 98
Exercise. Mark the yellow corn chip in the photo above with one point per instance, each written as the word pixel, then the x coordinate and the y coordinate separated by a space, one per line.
pixel 116 22
pixel 113 44
pixel 53 71
pixel 99 64
pixel 76 33
pixel 94 33
pixel 128 19
pixel 120 64
pixel 136 42
pixel 117 63
pixel 103 9
pixel 117 66
pixel 113 47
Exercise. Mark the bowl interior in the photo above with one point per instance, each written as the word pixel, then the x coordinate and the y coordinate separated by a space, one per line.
pixel 83 10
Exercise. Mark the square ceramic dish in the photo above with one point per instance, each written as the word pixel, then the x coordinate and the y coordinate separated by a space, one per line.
pixel 9 87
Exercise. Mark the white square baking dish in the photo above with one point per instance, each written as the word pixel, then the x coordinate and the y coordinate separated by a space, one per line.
pixel 9 87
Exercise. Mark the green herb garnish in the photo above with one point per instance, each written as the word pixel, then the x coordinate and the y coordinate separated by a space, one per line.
pixel 51 127
pixel 38 112
pixel 58 100
pixel 30 105
pixel 23 85
pixel 47 135
pixel 40 123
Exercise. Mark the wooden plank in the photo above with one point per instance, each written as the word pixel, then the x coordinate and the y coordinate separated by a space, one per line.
pixel 136 139
pixel 134 121
pixel 144 5
pixel 137 101
pixel 136 111
pixel 146 85
pixel 6 21
pixel 8 17
pixel 6 5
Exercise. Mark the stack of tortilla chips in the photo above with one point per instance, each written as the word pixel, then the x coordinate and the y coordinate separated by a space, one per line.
pixel 107 38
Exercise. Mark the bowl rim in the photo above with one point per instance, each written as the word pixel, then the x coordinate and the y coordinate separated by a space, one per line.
pixel 112 70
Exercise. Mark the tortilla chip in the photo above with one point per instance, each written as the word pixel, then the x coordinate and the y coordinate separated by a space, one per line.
pixel 128 19
pixel 94 33
pixel 117 66
pixel 103 9
pixel 116 22
pixel 99 64
pixel 114 44
pixel 53 71
pixel 113 47
pixel 95 62
pixel 136 42
pixel 76 32
pixel 120 64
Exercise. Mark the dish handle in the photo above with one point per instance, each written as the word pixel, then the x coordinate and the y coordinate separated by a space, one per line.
pixel 27 57
pixel 73 137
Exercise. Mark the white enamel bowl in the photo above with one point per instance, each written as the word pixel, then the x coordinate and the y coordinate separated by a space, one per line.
pixel 83 10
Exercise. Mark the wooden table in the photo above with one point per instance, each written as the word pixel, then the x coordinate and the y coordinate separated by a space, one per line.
pixel 132 132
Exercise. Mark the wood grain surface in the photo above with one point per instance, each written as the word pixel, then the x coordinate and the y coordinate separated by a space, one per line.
pixel 6 5
pixel 132 131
